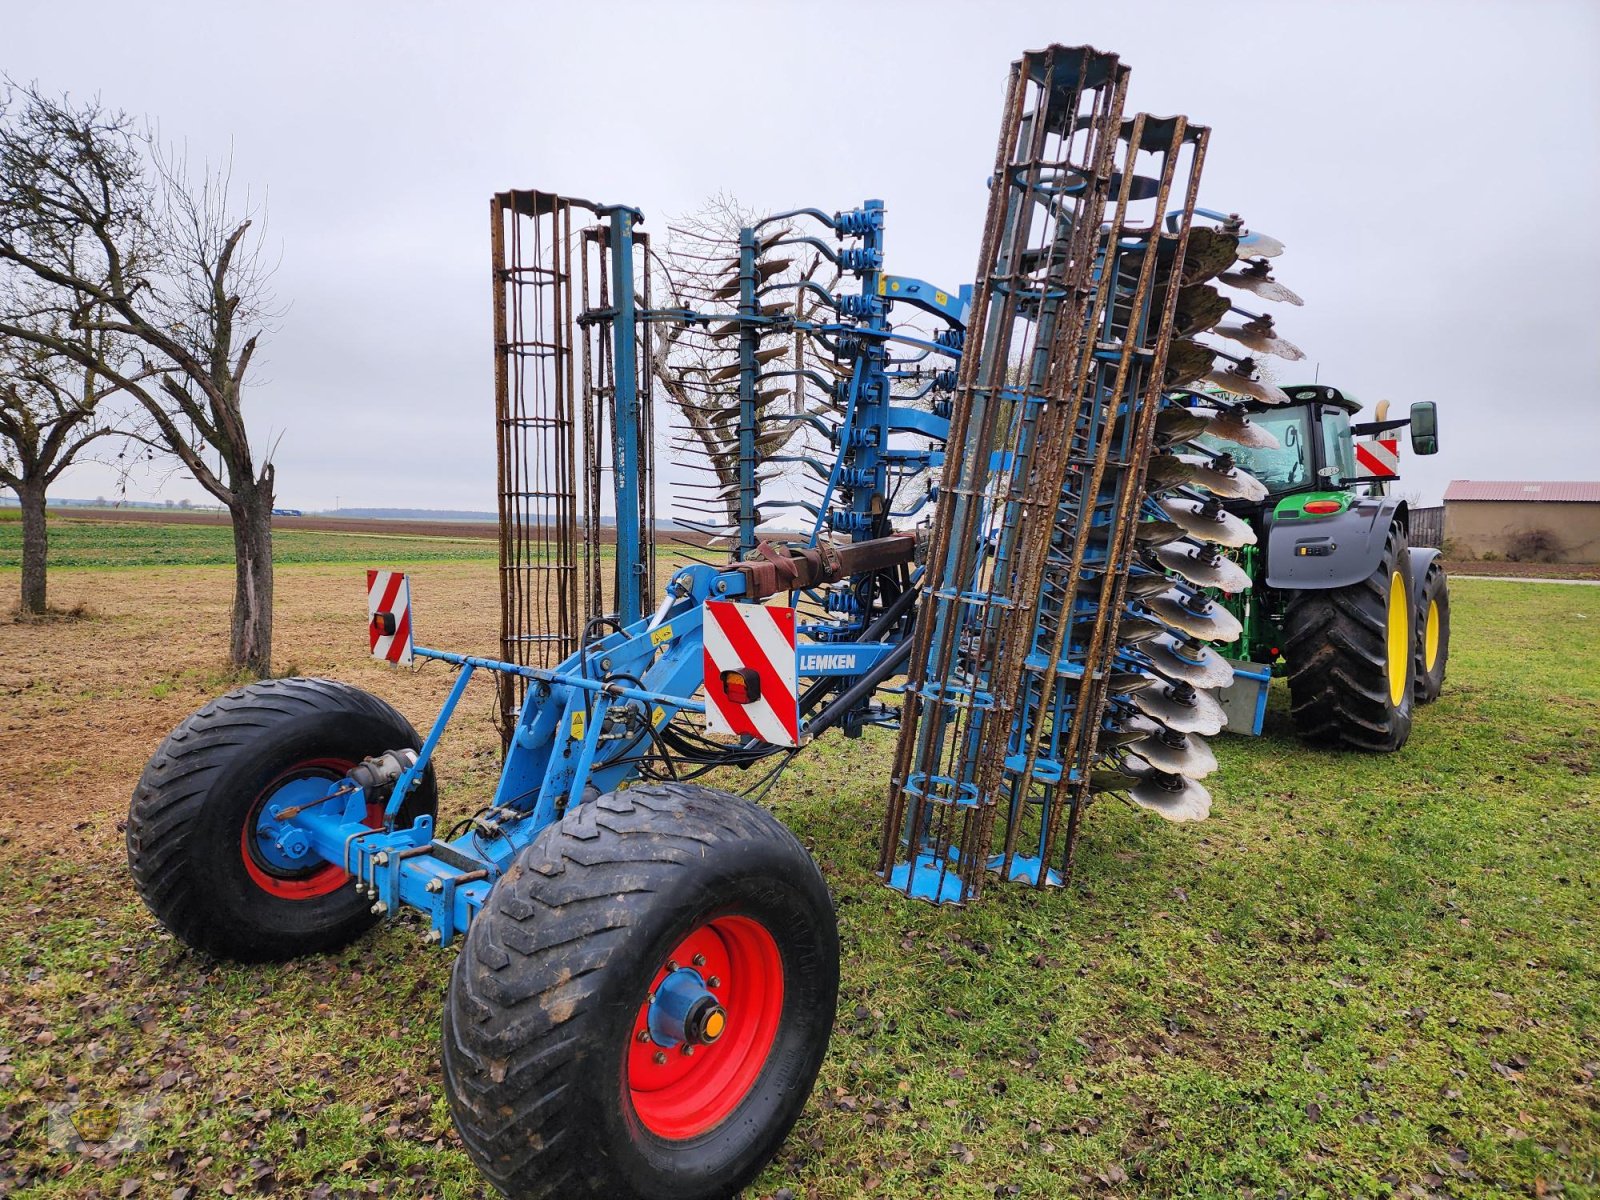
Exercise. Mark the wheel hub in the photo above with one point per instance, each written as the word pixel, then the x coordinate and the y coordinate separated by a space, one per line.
pixel 705 1028
pixel 684 1011
pixel 278 855
pixel 283 846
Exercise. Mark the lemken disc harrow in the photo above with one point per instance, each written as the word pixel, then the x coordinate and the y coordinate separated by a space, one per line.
pixel 1017 495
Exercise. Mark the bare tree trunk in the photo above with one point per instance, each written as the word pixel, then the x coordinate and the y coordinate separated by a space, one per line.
pixel 250 645
pixel 35 546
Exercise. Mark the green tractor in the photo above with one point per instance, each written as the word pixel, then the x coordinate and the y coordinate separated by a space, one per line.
pixel 1340 602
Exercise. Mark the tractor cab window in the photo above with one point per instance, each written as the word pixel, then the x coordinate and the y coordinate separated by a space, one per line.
pixel 1289 468
pixel 1338 453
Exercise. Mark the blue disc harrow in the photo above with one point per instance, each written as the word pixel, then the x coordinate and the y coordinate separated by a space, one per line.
pixel 990 516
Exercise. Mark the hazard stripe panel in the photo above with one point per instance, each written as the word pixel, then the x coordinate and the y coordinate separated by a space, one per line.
pixel 389 591
pixel 761 638
pixel 1380 456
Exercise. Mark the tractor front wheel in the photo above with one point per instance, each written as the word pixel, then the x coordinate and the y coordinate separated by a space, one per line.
pixel 199 828
pixel 1433 633
pixel 1351 656
pixel 642 1006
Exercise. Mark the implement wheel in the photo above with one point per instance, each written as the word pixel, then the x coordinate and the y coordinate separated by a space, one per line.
pixel 642 1006
pixel 1351 656
pixel 201 841
pixel 1433 633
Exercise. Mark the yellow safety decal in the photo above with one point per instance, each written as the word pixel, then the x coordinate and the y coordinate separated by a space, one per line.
pixel 664 634
pixel 577 727
pixel 657 715
pixel 941 298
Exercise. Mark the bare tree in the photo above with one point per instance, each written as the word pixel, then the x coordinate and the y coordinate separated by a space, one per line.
pixel 51 410
pixel 100 232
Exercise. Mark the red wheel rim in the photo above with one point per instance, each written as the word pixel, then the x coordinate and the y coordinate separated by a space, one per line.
pixel 313 882
pixel 689 1094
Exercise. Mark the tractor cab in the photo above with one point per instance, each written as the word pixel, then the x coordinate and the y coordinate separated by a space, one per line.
pixel 1316 448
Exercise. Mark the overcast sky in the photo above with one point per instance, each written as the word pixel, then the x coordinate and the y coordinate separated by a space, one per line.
pixel 1432 168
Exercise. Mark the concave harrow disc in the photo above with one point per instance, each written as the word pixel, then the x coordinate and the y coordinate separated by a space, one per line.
pixel 1209 521
pixel 1257 278
pixel 1187 662
pixel 1152 532
pixel 1173 796
pixel 1182 708
pixel 1225 479
pixel 1196 615
pixel 1241 380
pixel 1234 426
pixel 1185 754
pixel 1260 336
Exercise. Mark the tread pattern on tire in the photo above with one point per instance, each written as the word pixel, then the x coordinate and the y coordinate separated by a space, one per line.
pixel 1335 642
pixel 513 1053
pixel 177 781
pixel 1435 585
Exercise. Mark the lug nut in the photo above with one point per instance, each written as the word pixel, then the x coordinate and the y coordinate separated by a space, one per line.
pixel 644 1035
pixel 671 965
pixel 687 1049
pixel 699 960
pixel 715 981
pixel 661 1058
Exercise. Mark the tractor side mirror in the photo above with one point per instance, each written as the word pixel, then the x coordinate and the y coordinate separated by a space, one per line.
pixel 1424 427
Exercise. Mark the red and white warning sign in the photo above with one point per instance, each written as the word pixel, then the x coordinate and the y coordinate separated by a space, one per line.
pixel 1379 456
pixel 389 615
pixel 752 671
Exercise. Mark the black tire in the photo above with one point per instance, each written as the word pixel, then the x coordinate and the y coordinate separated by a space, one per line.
pixel 1337 646
pixel 1435 595
pixel 186 845
pixel 545 1000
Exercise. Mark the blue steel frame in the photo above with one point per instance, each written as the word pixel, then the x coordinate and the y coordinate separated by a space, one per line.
pixel 586 725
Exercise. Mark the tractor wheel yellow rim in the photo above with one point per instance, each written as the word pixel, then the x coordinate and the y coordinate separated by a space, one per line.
pixel 1400 628
pixel 1430 637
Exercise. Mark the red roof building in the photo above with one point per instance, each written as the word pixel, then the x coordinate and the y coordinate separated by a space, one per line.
pixel 1560 490
pixel 1526 520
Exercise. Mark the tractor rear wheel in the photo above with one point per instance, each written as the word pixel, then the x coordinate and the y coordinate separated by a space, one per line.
pixel 1351 656
pixel 642 1006
pixel 195 825
pixel 1433 633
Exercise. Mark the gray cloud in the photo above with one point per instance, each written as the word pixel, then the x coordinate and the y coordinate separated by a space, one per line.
pixel 1431 166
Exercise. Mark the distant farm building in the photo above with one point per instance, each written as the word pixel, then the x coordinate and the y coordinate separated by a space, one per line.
pixel 1523 520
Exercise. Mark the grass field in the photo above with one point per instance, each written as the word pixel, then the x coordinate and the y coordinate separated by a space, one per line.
pixel 77 543
pixel 1363 977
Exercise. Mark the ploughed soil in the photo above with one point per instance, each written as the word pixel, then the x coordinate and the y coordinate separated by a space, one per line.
pixel 88 698
pixel 178 516
pixel 85 700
